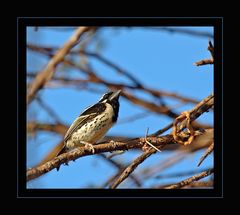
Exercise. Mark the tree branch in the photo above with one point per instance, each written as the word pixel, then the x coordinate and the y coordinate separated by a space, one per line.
pixel 179 174
pixel 120 167
pixel 207 152
pixel 137 85
pixel 202 107
pixel 198 110
pixel 207 61
pixel 44 76
pixel 190 180
pixel 183 31
pixel 132 167
pixel 204 62
pixel 99 148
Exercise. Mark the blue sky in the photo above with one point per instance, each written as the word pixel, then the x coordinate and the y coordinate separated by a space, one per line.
pixel 159 59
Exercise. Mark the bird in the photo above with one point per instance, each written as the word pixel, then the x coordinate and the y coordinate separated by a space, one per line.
pixel 93 123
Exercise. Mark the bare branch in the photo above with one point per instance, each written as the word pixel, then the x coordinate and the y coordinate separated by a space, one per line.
pixel 204 62
pixel 152 100
pixel 193 114
pixel 190 180
pixel 211 48
pixel 208 151
pixel 200 184
pixel 49 110
pixel 199 109
pixel 202 107
pixel 120 168
pixel 183 31
pixel 137 85
pixel 157 168
pixel 179 174
pixel 58 128
pixel 44 76
pixel 132 167
pixel 99 148
pixel 207 61
pixel 161 131
pixel 114 66
pixel 194 184
pixel 134 117
pixel 149 105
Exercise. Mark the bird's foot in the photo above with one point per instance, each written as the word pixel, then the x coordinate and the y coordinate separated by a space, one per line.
pixel 88 146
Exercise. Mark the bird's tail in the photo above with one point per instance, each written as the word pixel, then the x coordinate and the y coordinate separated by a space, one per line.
pixel 56 151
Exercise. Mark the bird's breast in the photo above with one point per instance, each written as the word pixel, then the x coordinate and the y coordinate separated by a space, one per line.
pixel 93 130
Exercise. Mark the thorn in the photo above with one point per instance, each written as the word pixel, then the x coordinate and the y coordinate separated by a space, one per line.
pixel 150 143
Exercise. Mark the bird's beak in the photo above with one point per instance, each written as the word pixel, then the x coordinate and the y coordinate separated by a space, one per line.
pixel 115 95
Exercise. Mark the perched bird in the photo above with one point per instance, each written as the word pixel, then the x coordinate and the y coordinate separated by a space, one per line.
pixel 93 123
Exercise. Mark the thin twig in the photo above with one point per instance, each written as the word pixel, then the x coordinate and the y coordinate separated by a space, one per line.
pixel 58 128
pixel 114 66
pixel 207 152
pixel 211 48
pixel 169 161
pixel 120 167
pixel 204 62
pixel 207 61
pixel 132 167
pixel 134 117
pixel 180 174
pixel 182 31
pixel 161 131
pixel 191 179
pixel 49 110
pixel 194 184
pixel 149 105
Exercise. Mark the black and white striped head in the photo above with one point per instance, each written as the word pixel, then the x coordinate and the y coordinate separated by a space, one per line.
pixel 112 99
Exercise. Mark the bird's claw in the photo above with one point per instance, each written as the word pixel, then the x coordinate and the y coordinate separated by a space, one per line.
pixel 88 146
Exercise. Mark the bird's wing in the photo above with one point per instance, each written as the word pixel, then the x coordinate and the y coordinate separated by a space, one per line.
pixel 77 124
pixel 86 115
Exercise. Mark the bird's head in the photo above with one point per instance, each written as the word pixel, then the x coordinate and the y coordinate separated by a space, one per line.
pixel 112 99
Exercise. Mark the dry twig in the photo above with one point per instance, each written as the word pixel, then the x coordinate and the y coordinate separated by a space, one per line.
pixel 183 31
pixel 132 167
pixel 190 180
pixel 120 168
pixel 200 184
pixel 179 174
pixel 207 152
pixel 207 61
pixel 99 148
pixel 44 76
